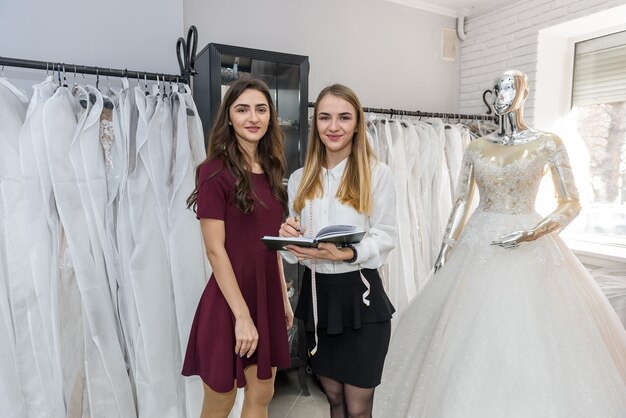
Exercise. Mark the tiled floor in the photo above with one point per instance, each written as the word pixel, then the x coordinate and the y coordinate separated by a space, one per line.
pixel 289 402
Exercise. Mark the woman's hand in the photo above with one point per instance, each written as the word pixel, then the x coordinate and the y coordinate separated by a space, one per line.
pixel 324 251
pixel 291 228
pixel 288 315
pixel 246 336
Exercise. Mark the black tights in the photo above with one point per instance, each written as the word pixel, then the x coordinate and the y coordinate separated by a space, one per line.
pixel 347 401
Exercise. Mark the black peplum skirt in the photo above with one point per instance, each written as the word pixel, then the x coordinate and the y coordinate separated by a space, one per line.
pixel 352 337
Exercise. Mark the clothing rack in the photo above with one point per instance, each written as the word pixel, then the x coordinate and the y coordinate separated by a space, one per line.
pixel 392 112
pixel 185 54
pixel 64 68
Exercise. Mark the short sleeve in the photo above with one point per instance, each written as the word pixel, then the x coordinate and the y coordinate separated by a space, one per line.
pixel 213 193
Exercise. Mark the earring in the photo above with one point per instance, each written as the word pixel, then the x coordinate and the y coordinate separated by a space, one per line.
pixel 230 123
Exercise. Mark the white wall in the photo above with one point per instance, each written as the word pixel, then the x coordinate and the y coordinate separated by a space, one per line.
pixel 556 59
pixel 388 53
pixel 139 34
pixel 507 38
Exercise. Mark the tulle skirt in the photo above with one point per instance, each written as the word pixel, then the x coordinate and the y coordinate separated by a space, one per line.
pixel 499 333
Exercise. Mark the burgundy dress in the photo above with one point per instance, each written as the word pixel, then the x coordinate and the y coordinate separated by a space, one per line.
pixel 211 346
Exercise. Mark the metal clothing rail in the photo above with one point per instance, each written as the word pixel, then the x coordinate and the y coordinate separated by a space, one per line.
pixel 185 54
pixel 65 68
pixel 392 112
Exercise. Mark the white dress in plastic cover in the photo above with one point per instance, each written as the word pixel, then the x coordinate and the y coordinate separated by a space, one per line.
pixel 507 333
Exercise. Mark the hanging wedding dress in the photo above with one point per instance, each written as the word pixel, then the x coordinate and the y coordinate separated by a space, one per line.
pixel 507 333
pixel 442 200
pixel 453 152
pixel 400 268
pixel 417 216
pixel 428 151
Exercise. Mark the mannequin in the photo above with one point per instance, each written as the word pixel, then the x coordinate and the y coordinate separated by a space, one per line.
pixel 513 141
pixel 511 325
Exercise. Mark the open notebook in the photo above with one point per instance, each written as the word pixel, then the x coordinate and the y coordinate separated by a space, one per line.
pixel 339 235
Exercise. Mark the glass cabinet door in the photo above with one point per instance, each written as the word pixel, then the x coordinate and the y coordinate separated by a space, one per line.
pixel 285 74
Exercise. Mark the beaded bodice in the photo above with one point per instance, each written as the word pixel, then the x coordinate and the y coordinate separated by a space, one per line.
pixel 512 188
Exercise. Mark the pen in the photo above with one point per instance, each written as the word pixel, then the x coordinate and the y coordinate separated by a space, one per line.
pixel 297 219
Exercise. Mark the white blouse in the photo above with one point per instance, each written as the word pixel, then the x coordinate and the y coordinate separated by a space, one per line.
pixel 326 210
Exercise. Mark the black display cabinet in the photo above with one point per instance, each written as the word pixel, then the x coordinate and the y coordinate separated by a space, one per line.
pixel 287 77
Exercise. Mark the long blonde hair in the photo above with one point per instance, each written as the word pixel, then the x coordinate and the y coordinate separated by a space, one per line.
pixel 355 188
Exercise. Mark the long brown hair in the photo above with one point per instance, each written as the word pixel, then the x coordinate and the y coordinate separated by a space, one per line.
pixel 355 188
pixel 223 144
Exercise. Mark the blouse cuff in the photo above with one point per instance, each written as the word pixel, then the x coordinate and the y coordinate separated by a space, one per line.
pixel 288 257
pixel 364 252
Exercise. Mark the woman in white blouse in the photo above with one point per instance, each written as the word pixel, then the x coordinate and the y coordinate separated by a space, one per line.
pixel 342 301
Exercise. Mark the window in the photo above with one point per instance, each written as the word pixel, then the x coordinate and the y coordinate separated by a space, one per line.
pixel 599 115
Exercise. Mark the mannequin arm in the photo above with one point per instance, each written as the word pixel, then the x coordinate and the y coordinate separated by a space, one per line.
pixel 460 211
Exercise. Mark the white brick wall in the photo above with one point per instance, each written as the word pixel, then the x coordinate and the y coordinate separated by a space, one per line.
pixel 506 38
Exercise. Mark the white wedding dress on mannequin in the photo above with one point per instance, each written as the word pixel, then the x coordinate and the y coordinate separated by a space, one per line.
pixel 501 333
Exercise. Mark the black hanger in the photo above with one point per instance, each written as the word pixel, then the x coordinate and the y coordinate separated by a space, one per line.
pixel 107 103
pixel 64 78
pixel 489 110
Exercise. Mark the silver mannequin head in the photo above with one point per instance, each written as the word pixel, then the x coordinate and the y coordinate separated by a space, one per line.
pixel 510 90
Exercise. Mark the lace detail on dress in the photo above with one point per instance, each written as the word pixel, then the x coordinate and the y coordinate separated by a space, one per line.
pixel 512 188
pixel 483 228
pixel 560 160
pixel 107 137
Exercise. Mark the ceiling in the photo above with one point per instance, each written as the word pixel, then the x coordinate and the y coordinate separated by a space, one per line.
pixel 453 8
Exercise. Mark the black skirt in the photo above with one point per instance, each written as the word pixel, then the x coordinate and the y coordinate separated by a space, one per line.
pixel 352 337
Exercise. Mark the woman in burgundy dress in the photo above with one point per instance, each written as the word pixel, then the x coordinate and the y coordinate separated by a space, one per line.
pixel 239 334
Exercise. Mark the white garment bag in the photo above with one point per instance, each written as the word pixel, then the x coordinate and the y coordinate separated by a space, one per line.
pixel 187 254
pixel 115 164
pixel 31 325
pixel 417 217
pixel 198 155
pixel 194 126
pixel 156 374
pixel 44 232
pixel 125 126
pixel 90 160
pixel 13 400
pixel 107 384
